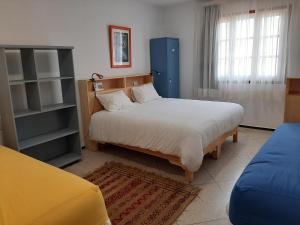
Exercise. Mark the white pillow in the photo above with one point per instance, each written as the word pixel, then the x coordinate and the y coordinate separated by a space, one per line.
pixel 145 93
pixel 114 101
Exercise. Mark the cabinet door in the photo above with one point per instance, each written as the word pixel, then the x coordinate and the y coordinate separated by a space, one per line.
pixel 158 65
pixel 173 90
pixel 161 84
pixel 173 68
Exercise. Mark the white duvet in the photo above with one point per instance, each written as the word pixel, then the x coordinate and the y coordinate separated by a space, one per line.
pixel 172 126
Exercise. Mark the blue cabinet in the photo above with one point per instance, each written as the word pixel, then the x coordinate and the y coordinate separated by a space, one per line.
pixel 165 66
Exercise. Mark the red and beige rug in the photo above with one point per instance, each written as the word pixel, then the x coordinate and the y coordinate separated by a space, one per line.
pixel 137 197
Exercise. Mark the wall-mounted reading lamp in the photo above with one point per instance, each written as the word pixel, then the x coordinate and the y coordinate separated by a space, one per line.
pixel 98 86
pixel 96 75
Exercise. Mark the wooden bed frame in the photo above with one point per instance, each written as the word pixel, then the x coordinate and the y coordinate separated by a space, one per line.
pixel 90 105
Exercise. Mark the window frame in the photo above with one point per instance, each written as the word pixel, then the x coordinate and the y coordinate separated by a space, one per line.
pixel 231 41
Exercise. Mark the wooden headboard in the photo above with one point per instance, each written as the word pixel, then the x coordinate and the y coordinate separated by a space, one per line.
pixel 90 104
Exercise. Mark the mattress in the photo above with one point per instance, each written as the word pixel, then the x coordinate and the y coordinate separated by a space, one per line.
pixel 172 126
pixel 34 193
pixel 268 191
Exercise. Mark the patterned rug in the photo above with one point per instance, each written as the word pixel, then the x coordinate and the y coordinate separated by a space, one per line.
pixel 135 197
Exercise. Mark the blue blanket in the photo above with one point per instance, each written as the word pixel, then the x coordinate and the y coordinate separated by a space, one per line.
pixel 268 191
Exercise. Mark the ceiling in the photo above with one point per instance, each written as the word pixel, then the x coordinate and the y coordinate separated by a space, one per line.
pixel 164 2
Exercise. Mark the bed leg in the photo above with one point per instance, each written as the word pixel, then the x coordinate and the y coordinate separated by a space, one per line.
pixel 189 175
pixel 235 137
pixel 91 145
pixel 217 153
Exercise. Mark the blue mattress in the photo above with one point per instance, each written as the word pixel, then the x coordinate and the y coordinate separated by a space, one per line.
pixel 268 191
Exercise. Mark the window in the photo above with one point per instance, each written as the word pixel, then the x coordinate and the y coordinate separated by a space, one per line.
pixel 250 46
pixel 269 46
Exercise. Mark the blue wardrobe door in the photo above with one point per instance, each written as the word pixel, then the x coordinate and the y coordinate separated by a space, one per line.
pixel 165 66
pixel 159 65
pixel 160 83
pixel 173 67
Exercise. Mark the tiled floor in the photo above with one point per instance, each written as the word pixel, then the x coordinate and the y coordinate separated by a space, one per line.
pixel 215 178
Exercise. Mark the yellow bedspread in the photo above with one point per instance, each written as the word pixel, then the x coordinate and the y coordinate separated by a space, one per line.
pixel 34 193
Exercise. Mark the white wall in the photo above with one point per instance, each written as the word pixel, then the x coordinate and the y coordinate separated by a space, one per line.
pixel 179 21
pixel 294 44
pixel 84 25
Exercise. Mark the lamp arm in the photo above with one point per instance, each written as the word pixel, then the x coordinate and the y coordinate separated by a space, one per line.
pixel 97 75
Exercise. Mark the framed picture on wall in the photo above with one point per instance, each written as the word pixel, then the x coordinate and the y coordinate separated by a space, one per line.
pixel 120 46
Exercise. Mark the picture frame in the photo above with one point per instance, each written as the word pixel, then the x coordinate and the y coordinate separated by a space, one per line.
pixel 120 46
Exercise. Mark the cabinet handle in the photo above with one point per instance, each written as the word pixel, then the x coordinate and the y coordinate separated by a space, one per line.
pixel 154 71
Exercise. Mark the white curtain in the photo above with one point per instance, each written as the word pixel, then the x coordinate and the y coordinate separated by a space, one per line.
pixel 252 45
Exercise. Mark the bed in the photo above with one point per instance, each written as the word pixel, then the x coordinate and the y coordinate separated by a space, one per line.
pixel 268 191
pixel 34 193
pixel 181 131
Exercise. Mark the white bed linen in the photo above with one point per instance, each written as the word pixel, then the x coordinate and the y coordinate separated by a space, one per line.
pixel 172 126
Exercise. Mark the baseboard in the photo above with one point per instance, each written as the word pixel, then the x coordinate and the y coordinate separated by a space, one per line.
pixel 257 128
